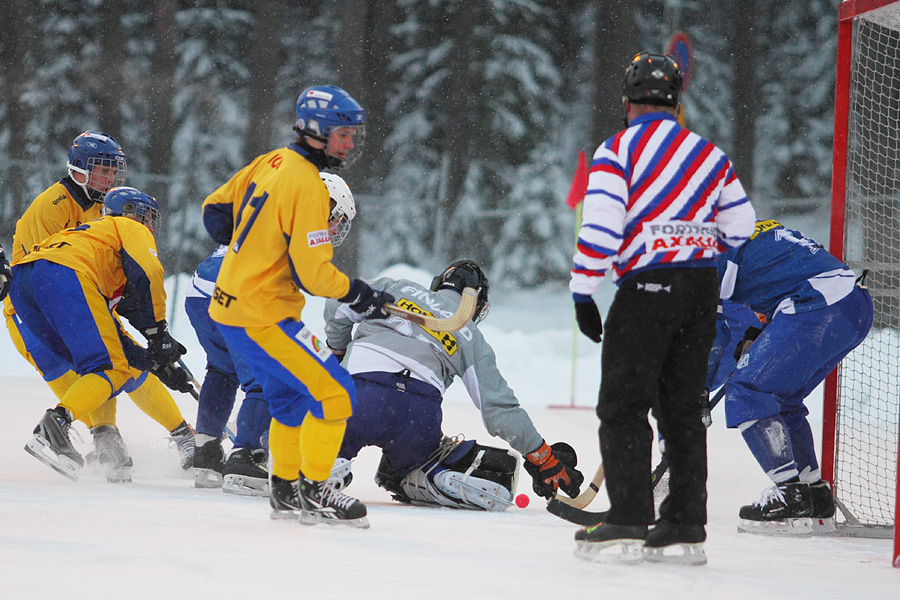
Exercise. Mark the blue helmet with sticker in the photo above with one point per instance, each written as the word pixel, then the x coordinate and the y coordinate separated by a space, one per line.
pixel 334 122
pixel 96 164
pixel 134 204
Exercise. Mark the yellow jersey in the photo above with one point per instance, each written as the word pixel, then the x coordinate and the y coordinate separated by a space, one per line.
pixel 273 215
pixel 111 252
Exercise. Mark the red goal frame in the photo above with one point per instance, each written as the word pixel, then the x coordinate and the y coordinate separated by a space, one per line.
pixel 847 11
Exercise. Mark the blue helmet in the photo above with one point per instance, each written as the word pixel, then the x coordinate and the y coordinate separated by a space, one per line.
pixel 134 204
pixel 96 164
pixel 321 111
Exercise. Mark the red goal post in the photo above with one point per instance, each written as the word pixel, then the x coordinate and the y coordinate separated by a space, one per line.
pixel 861 424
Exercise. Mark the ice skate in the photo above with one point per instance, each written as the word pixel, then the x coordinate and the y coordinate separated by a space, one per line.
pixel 182 437
pixel 284 498
pixel 676 544
pixel 823 508
pixel 608 543
pixel 322 502
pixel 52 446
pixel 245 473
pixel 111 454
pixel 783 509
pixel 208 464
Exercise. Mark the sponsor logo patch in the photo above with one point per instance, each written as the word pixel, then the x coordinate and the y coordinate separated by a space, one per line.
pixel 654 287
pixel 313 344
pixel 319 94
pixel 317 238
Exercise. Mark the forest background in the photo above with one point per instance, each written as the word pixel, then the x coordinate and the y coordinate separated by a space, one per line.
pixel 475 109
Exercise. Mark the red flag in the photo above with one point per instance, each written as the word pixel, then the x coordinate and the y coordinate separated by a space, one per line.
pixel 579 183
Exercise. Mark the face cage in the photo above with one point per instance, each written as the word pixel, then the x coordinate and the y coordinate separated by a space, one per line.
pixel 143 214
pixel 358 138
pixel 338 229
pixel 95 193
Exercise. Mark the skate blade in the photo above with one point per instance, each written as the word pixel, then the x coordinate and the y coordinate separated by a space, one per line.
pixel 41 449
pixel 207 478
pixel 120 475
pixel 310 518
pixel 241 485
pixel 823 526
pixel 624 552
pixel 800 527
pixel 676 554
pixel 283 515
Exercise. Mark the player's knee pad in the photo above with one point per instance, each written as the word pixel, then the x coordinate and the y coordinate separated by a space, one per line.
pixel 464 474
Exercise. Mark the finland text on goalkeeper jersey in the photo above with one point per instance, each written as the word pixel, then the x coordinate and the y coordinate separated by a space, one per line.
pixel 273 215
pixel 782 271
pixel 658 195
pixel 111 252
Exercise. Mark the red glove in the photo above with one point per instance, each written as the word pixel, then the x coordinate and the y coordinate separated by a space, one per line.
pixel 552 468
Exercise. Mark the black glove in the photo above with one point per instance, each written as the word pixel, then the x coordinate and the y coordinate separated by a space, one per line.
pixel 174 377
pixel 162 347
pixel 5 275
pixel 749 337
pixel 137 355
pixel 338 354
pixel 365 301
pixel 552 468
pixel 588 317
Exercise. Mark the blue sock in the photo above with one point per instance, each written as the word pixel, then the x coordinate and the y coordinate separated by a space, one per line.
pixel 215 403
pixel 770 443
pixel 253 420
pixel 804 448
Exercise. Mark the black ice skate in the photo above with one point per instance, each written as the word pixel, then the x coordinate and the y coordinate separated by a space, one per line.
pixel 822 508
pixel 111 454
pixel 51 444
pixel 284 498
pixel 182 437
pixel 323 502
pixel 675 543
pixel 783 509
pixel 208 464
pixel 245 473
pixel 605 542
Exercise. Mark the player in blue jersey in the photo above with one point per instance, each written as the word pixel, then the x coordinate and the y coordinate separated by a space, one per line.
pixel 813 311
pixel 661 203
pixel 244 472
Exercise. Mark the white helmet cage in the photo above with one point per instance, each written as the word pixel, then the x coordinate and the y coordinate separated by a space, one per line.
pixel 343 207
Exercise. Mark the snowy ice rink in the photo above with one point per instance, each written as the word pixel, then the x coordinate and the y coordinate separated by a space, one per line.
pixel 160 538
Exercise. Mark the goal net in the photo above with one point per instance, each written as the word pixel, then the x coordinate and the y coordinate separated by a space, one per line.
pixel 862 412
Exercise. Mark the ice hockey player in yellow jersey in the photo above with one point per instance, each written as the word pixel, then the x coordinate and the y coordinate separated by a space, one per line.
pixel 61 292
pixel 96 163
pixel 273 215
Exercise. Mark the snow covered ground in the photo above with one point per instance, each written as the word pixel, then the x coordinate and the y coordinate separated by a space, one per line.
pixel 158 537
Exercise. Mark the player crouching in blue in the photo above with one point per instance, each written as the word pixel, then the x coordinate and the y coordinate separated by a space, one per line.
pixel 61 292
pixel 401 371
pixel 815 311
pixel 244 472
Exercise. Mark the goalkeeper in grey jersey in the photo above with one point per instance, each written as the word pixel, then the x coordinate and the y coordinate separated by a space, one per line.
pixel 401 371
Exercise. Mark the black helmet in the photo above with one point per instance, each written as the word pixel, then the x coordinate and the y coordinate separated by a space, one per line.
pixel 463 274
pixel 652 79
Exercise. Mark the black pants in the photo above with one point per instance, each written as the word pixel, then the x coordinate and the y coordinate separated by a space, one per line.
pixel 656 344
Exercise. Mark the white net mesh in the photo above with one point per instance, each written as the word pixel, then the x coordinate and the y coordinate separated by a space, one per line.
pixel 869 378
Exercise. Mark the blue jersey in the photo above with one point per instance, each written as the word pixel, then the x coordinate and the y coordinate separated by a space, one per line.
pixel 780 270
pixel 203 283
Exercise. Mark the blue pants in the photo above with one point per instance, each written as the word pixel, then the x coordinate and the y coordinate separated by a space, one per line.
pixel 400 415
pixel 792 356
pixel 67 322
pixel 223 373
pixel 297 372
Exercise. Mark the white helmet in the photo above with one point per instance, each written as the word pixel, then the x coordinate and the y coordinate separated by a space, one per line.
pixel 343 208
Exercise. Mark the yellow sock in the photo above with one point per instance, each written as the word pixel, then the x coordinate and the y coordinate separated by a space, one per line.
pixel 154 399
pixel 86 395
pixel 61 384
pixel 105 415
pixel 284 446
pixel 320 442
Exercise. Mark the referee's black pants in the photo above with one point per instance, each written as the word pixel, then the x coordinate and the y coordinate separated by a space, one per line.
pixel 656 344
